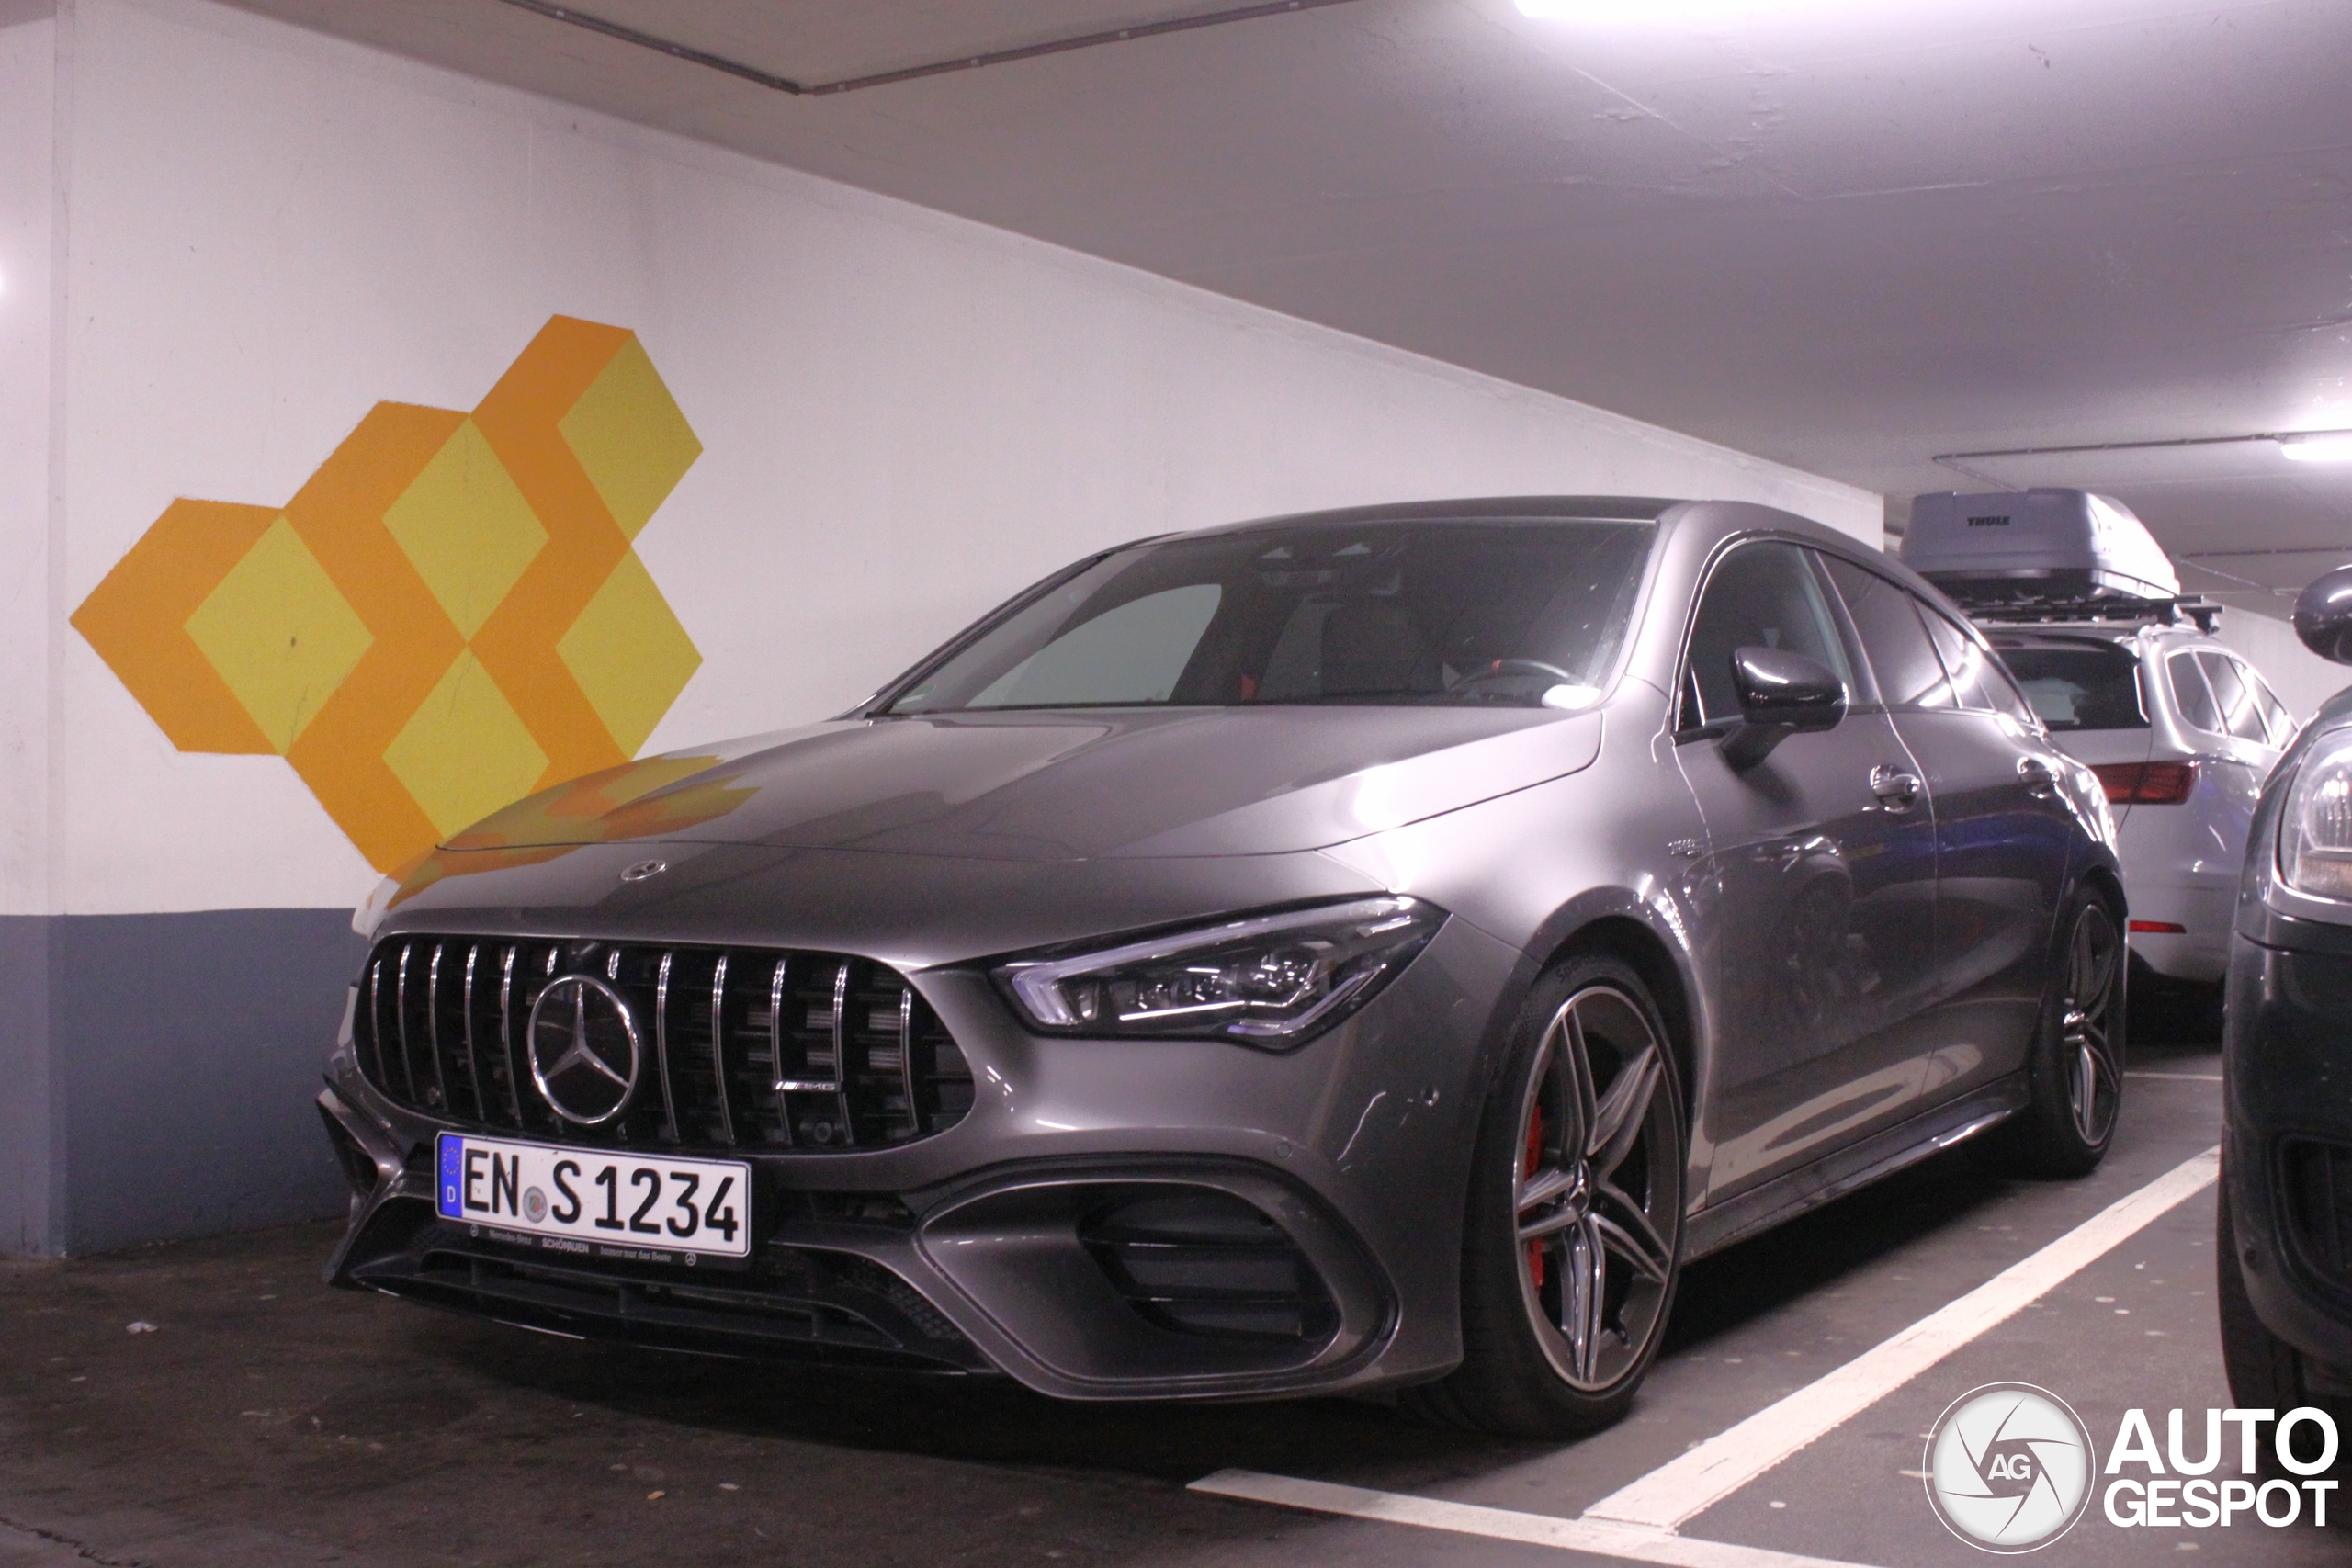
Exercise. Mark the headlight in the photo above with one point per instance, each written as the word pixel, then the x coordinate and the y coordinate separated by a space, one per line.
pixel 1270 980
pixel 2315 831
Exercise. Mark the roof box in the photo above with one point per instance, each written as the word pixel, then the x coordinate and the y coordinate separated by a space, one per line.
pixel 2036 546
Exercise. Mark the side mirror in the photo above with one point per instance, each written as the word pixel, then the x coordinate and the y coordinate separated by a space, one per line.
pixel 1780 693
pixel 2324 615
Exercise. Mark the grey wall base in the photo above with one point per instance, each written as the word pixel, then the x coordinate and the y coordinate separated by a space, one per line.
pixel 157 1073
pixel 30 1137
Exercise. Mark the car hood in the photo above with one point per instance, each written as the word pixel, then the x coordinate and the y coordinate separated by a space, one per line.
pixel 1064 785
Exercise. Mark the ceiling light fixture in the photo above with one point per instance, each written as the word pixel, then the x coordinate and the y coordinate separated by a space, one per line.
pixel 1656 10
pixel 2301 445
pixel 2317 445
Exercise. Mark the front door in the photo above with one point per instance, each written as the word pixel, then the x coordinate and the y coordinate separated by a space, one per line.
pixel 1820 870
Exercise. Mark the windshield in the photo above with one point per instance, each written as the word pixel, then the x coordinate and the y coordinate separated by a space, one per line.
pixel 2090 686
pixel 1511 612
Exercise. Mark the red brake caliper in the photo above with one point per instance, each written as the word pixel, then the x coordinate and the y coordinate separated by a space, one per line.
pixel 1534 1157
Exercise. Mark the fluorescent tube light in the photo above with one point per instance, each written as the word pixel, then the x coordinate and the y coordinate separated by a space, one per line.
pixel 2318 446
pixel 1658 10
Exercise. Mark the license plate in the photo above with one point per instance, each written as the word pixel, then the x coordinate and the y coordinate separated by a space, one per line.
pixel 613 1203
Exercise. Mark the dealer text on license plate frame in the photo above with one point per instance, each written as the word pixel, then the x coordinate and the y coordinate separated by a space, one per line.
pixel 621 1201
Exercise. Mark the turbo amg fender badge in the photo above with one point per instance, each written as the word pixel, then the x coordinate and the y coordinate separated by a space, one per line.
pixel 585 1049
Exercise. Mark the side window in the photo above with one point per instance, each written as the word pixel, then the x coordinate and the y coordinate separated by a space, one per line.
pixel 2282 722
pixel 1978 682
pixel 1960 659
pixel 1909 674
pixel 1762 595
pixel 2190 694
pixel 2240 711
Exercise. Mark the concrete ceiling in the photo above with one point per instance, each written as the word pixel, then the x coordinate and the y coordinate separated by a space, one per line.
pixel 1847 234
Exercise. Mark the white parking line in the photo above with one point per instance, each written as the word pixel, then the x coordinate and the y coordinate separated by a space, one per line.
pixel 1707 1475
pixel 1601 1538
pixel 1638 1521
pixel 2176 1077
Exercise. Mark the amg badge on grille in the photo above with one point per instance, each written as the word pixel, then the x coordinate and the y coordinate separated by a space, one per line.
pixel 585 1049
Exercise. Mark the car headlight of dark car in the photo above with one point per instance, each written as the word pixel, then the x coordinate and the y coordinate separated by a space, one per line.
pixel 2316 829
pixel 1272 980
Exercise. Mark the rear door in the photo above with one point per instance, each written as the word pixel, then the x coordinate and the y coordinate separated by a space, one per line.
pixel 2241 757
pixel 2002 835
pixel 1820 866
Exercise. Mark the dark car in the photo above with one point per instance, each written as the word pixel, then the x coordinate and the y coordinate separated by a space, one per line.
pixel 2285 1247
pixel 1363 949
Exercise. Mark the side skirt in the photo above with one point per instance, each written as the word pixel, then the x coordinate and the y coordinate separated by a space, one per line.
pixel 1714 1228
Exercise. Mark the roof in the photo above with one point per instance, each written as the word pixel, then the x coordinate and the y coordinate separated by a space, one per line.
pixel 1580 508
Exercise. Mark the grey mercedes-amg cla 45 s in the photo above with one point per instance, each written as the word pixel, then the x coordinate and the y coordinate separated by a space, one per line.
pixel 1368 949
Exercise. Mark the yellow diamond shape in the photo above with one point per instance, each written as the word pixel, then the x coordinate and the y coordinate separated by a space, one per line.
pixel 466 528
pixel 280 633
pixel 629 654
pixel 465 752
pixel 630 437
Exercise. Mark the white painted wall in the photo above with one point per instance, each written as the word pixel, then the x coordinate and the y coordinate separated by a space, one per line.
pixel 29 1112
pixel 905 415
pixel 28 114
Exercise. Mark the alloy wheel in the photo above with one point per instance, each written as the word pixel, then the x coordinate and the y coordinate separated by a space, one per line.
pixel 2087 1028
pixel 1598 1194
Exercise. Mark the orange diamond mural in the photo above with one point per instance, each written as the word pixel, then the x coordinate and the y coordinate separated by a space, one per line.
pixel 449 616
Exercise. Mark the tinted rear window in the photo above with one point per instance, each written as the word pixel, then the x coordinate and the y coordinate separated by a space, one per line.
pixel 2086 687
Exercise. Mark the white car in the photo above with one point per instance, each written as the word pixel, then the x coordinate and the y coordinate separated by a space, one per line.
pixel 2182 732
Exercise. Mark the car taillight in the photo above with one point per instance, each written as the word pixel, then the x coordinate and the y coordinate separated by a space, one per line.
pixel 2146 783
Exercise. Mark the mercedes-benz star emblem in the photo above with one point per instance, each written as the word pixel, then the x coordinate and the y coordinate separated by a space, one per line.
pixel 644 869
pixel 585 1049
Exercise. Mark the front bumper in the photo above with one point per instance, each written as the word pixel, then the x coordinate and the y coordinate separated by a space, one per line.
pixel 2287 1143
pixel 1007 1242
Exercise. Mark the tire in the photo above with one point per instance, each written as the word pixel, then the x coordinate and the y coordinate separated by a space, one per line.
pixel 1575 1214
pixel 2264 1372
pixel 2075 1073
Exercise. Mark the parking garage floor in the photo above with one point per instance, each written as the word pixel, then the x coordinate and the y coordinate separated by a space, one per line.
pixel 265 1420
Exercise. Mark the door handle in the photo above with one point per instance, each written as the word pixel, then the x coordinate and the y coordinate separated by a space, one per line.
pixel 1897 790
pixel 2040 774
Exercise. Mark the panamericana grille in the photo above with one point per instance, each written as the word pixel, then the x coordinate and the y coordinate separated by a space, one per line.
pixel 744 1048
